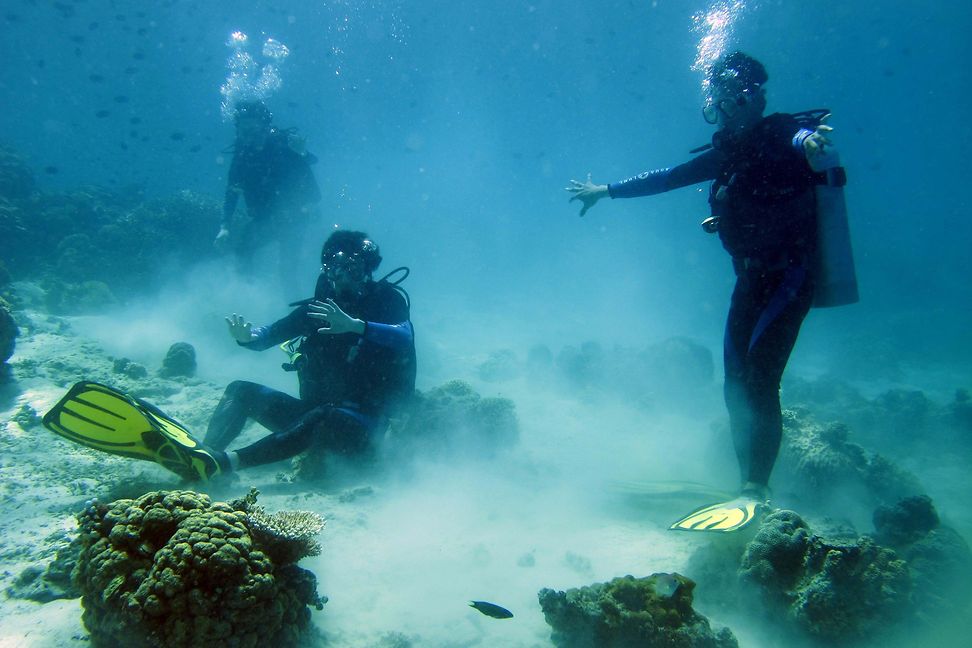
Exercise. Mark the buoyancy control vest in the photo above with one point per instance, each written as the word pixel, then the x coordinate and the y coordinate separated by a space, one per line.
pixel 767 199
pixel 341 370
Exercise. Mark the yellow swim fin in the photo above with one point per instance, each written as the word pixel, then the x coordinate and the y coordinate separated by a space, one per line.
pixel 106 419
pixel 723 517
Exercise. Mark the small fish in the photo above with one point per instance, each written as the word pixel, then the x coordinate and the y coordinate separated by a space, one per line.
pixel 177 136
pixel 135 120
pixel 131 70
pixel 121 99
pixel 491 610
pixel 52 170
pixel 666 585
pixel 101 114
pixel 195 148
pixel 138 56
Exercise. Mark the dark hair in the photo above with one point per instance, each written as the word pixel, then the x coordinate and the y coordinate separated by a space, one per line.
pixel 256 109
pixel 741 68
pixel 353 244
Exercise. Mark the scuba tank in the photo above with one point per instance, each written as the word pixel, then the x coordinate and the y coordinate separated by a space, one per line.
pixel 833 265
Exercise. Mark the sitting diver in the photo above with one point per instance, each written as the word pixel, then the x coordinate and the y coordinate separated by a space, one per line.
pixel 354 356
pixel 354 352
pixel 764 209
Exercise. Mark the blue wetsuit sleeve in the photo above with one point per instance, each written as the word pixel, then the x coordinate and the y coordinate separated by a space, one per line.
pixel 280 331
pixel 699 169
pixel 394 336
pixel 799 138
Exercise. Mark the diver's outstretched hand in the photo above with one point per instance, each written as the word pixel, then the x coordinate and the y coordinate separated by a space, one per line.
pixel 335 319
pixel 221 238
pixel 239 329
pixel 587 193
pixel 815 144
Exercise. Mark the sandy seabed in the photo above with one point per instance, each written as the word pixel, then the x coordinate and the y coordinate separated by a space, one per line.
pixel 406 545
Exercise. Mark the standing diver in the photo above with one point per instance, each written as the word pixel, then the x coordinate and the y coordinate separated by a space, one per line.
pixel 352 346
pixel 764 208
pixel 272 172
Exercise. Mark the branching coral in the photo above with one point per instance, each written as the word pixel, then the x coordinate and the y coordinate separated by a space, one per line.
pixel 286 536
pixel 173 568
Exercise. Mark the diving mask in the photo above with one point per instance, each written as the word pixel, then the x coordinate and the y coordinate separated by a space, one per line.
pixel 728 106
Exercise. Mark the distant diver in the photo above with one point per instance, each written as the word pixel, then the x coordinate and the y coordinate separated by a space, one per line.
pixel 351 345
pixel 271 170
pixel 777 205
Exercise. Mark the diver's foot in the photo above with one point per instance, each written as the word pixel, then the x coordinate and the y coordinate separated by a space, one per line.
pixel 183 454
pixel 755 491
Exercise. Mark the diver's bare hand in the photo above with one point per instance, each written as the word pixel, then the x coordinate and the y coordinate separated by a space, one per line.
pixel 221 237
pixel 336 320
pixel 817 141
pixel 239 329
pixel 587 193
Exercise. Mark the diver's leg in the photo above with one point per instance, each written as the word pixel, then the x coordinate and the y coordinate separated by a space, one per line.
pixel 770 347
pixel 245 250
pixel 339 430
pixel 291 237
pixel 244 400
pixel 743 313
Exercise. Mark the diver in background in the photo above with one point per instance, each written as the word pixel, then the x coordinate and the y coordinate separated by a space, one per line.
pixel 272 171
pixel 765 211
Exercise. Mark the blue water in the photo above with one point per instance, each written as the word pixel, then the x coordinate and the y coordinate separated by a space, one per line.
pixel 448 130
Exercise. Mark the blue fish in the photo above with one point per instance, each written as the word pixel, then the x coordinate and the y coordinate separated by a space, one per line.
pixel 491 610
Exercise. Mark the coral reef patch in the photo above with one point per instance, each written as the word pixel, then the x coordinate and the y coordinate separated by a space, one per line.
pixel 174 568
pixel 630 612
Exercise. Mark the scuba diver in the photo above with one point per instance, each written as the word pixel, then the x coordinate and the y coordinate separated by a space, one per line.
pixel 351 345
pixel 765 171
pixel 272 171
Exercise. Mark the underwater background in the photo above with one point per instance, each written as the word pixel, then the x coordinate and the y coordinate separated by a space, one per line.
pixel 448 131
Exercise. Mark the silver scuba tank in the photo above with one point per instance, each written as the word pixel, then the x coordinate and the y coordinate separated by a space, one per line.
pixel 833 266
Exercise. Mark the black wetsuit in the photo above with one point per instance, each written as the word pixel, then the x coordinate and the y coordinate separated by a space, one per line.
pixel 278 186
pixel 348 382
pixel 763 195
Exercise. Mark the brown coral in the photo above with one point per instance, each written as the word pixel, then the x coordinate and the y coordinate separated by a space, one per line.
pixel 173 568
